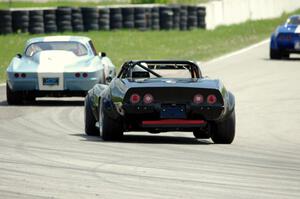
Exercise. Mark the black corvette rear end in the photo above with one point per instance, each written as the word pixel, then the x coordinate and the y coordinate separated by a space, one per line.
pixel 144 100
pixel 171 108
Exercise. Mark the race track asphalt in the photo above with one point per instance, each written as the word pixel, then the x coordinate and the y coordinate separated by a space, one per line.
pixel 45 154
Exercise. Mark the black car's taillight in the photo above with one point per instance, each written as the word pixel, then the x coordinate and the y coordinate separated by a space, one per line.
pixel 135 98
pixel 148 98
pixel 198 99
pixel 211 99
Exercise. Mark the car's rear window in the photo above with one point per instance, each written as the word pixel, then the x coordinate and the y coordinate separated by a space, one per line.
pixel 294 20
pixel 165 70
pixel 77 48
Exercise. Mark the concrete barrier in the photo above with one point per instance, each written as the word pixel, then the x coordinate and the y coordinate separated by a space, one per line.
pixel 227 12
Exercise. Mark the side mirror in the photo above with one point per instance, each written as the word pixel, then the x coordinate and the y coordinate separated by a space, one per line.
pixel 108 79
pixel 102 54
pixel 19 55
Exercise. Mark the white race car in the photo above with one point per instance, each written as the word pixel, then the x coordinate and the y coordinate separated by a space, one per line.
pixel 56 66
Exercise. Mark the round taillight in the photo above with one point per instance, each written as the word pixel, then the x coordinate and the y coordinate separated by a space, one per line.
pixel 198 99
pixel 17 75
pixel 148 98
pixel 23 75
pixel 135 98
pixel 77 74
pixel 85 75
pixel 211 99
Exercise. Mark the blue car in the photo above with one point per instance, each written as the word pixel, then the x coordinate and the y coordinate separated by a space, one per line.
pixel 286 39
pixel 56 66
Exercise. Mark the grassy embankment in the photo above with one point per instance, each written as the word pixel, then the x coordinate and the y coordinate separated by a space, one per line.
pixel 128 44
pixel 55 3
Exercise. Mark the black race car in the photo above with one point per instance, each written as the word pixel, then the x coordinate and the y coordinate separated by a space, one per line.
pixel 159 96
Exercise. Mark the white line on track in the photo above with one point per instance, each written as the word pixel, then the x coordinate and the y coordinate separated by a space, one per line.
pixel 236 52
pixel 2 84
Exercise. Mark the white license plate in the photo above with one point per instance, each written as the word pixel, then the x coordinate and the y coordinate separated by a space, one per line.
pixel 297 45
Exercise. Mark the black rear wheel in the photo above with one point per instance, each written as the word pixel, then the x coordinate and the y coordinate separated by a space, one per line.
pixel 89 119
pixel 201 134
pixel 275 54
pixel 286 55
pixel 110 129
pixel 224 132
pixel 13 97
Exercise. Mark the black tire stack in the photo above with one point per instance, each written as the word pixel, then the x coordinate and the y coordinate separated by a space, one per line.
pixel 63 19
pixel 192 17
pixel 148 18
pixel 36 22
pixel 155 18
pixel 50 21
pixel 128 17
pixel 104 19
pixel 5 22
pixel 201 11
pixel 140 18
pixel 116 18
pixel 166 18
pixel 77 21
pixel 183 18
pixel 90 17
pixel 176 16
pixel 20 20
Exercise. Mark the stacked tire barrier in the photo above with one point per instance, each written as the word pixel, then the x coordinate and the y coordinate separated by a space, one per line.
pixel 128 18
pixel 176 17
pixel 20 20
pixel 140 18
pixel 50 21
pixel 116 18
pixel 192 21
pixel 77 20
pixel 90 17
pixel 166 18
pixel 61 19
pixel 5 22
pixel 201 14
pixel 64 19
pixel 183 18
pixel 155 18
pixel 36 22
pixel 104 19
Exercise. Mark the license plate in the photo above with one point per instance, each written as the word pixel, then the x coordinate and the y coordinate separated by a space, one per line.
pixel 173 112
pixel 297 45
pixel 50 81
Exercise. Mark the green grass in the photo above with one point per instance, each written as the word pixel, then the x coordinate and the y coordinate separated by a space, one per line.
pixel 127 44
pixel 55 3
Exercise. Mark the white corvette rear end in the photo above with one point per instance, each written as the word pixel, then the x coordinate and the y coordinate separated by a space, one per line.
pixel 56 66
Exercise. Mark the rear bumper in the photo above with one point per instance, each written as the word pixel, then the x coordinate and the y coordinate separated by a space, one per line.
pixel 152 112
pixel 149 118
pixel 288 46
pixel 69 85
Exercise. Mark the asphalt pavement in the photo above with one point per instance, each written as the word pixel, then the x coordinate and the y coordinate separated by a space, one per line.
pixel 44 152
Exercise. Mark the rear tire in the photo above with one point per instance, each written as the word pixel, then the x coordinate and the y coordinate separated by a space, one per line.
pixel 89 119
pixel 110 129
pixel 201 134
pixel 275 54
pixel 224 132
pixel 13 97
pixel 286 55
